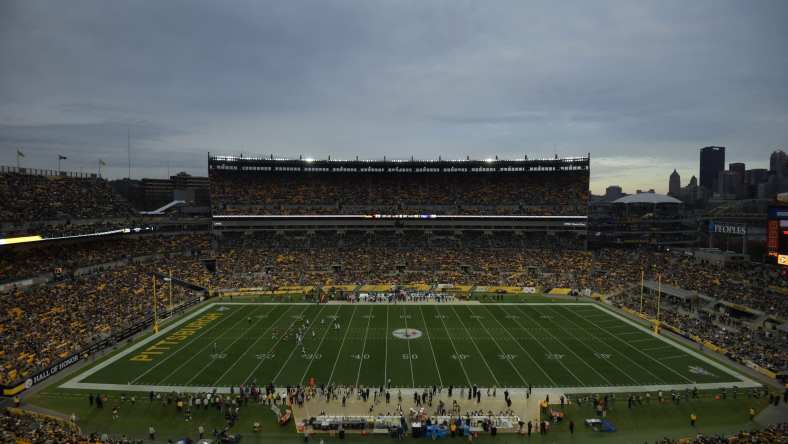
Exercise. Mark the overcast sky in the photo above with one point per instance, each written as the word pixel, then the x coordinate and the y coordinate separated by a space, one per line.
pixel 640 85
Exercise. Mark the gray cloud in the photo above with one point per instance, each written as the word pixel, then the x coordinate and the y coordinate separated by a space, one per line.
pixel 649 82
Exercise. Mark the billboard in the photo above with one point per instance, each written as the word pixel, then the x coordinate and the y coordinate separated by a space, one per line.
pixel 777 230
pixel 727 228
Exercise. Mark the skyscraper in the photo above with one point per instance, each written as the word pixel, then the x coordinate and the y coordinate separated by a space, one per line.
pixel 712 161
pixel 674 184
pixel 778 162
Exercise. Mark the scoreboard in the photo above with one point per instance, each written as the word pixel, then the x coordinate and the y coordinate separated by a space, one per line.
pixel 777 233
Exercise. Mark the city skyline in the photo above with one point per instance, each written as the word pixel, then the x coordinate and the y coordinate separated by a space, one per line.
pixel 642 87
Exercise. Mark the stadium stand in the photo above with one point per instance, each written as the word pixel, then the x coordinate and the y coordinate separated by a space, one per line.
pixel 90 306
pixel 94 288
pixel 260 186
pixel 19 426
pixel 30 197
pixel 63 258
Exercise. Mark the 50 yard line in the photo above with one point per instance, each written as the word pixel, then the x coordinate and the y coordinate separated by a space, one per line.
pixel 410 353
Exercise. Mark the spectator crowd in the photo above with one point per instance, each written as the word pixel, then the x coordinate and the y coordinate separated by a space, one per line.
pixel 541 193
pixel 28 197
pixel 42 324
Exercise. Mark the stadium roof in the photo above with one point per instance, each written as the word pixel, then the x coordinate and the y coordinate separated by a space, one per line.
pixel 647 198
pixel 271 163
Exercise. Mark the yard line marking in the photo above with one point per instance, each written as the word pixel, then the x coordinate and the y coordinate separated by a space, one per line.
pixel 571 350
pixel 501 349
pixel 364 347
pixel 295 347
pixel 410 353
pixel 644 354
pixel 742 379
pixel 673 357
pixel 386 356
pixel 611 348
pixel 274 345
pixel 320 344
pixel 539 341
pixel 339 353
pixel 475 345
pixel 456 352
pixel 427 332
pixel 192 339
pixel 661 347
pixel 194 355
pixel 207 364
pixel 231 367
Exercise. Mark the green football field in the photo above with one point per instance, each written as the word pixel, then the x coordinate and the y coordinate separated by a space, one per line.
pixel 573 345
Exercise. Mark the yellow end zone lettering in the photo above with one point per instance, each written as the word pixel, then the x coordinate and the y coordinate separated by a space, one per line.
pixel 163 345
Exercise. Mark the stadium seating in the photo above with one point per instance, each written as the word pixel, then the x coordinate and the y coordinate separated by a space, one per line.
pixel 28 197
pixel 543 193
pixel 88 307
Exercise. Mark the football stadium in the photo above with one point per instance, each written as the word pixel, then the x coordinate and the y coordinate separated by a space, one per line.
pixel 370 300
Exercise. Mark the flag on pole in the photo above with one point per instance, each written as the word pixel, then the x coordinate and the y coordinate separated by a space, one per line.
pixel 61 157
pixel 102 163
pixel 20 153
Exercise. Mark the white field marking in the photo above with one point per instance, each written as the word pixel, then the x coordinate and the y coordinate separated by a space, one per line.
pixel 75 381
pixel 410 353
pixel 329 325
pixel 744 379
pixel 572 351
pixel 672 357
pixel 644 354
pixel 295 347
pixel 743 382
pixel 386 355
pixel 538 341
pixel 342 345
pixel 470 336
pixel 265 333
pixel 183 345
pixel 456 352
pixel 500 348
pixel 208 363
pixel 434 359
pixel 407 391
pixel 281 337
pixel 613 349
pixel 260 361
pixel 661 347
pixel 364 347
pixel 517 341
pixel 582 342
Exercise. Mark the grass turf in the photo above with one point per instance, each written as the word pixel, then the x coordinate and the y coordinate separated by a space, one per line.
pixel 645 423
pixel 507 345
